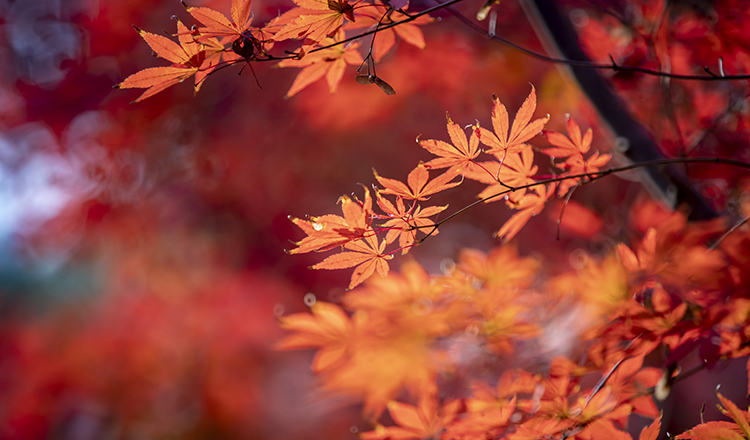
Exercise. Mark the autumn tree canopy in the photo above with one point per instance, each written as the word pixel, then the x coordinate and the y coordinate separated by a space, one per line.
pixel 253 245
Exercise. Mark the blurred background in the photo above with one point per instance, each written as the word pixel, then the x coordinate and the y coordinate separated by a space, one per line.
pixel 142 263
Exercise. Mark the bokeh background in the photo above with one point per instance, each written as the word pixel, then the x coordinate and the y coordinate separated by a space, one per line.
pixel 142 263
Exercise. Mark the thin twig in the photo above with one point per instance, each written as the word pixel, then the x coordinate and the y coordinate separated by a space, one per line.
pixel 592 177
pixel 600 66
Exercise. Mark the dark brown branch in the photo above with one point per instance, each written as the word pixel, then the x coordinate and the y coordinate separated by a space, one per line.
pixel 669 183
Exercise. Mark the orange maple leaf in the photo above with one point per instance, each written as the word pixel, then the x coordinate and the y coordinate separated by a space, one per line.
pixel 312 20
pixel 502 268
pixel 328 328
pixel 217 55
pixel 404 224
pixel 380 15
pixel 531 205
pixel 366 254
pixel 517 170
pixel 488 423
pixel 416 422
pixel 186 56
pixel 329 62
pixel 216 24
pixel 739 430
pixel 523 129
pixel 329 231
pixel 419 184
pixel 651 432
pixel 645 262
pixel 461 153
pixel 573 148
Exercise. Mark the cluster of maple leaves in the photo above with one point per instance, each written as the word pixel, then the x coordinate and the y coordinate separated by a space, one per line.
pixel 412 331
pixel 322 26
pixel 510 173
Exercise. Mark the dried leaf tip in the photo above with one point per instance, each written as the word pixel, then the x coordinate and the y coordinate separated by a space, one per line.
pixel 137 29
pixel 448 117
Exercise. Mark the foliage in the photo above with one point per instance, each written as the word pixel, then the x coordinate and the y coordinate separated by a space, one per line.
pixel 176 315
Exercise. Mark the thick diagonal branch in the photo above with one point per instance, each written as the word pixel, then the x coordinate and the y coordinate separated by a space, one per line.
pixel 668 183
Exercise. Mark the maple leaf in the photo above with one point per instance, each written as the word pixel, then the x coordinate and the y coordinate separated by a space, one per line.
pixel 416 422
pixel 531 205
pixel 328 328
pixel 632 383
pixel 713 431
pixel 461 153
pixel 645 263
pixel 573 148
pixel 398 300
pixel 329 231
pixel 479 425
pixel 312 20
pixel 380 15
pixel 502 323
pixel 186 56
pixel 217 55
pixel 216 24
pixel 739 430
pixel 396 331
pixel 418 187
pixel 330 63
pixel 365 254
pixel 523 129
pixel 405 224
pixel 517 170
pixel 651 432
pixel 742 418
pixel 501 268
